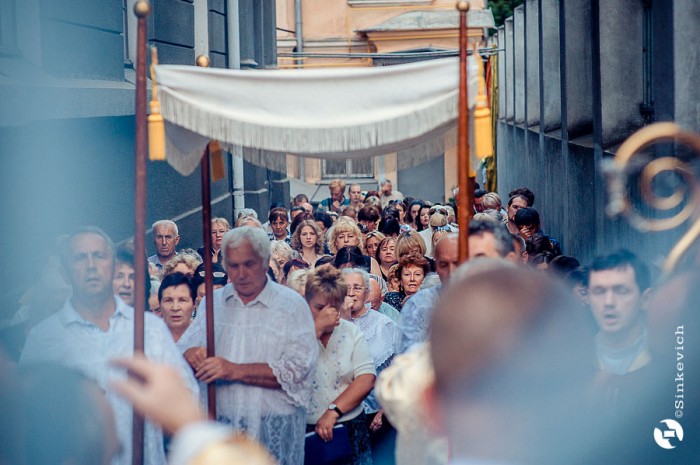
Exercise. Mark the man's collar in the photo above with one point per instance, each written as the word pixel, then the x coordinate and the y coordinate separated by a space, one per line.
pixel 264 297
pixel 68 314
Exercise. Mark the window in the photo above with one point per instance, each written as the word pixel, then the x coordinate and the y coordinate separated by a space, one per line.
pixel 130 32
pixel 360 168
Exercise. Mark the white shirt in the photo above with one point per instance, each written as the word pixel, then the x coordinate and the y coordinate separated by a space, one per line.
pixel 67 338
pixel 275 328
pixel 344 358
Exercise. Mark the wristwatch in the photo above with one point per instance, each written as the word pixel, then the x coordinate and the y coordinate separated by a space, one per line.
pixel 336 410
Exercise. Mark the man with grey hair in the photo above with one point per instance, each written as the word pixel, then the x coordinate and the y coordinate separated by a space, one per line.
pixel 93 327
pixel 387 194
pixel 266 349
pixel 165 238
pixel 489 238
pixel 375 298
pixel 535 383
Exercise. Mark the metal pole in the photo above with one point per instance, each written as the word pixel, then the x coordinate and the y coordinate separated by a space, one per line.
pixel 208 278
pixel 298 30
pixel 142 9
pixel 466 185
pixel 234 62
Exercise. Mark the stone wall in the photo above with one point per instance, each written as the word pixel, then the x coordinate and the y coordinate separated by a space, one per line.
pixel 572 81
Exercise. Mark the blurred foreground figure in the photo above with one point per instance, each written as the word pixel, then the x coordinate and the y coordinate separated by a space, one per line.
pixel 52 415
pixel 511 369
pixel 93 326
pixel 156 389
pixel 668 391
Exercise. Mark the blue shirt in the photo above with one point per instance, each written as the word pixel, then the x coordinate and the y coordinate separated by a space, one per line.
pixel 415 317
pixel 68 339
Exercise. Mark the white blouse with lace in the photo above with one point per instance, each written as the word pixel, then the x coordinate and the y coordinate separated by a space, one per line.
pixel 344 358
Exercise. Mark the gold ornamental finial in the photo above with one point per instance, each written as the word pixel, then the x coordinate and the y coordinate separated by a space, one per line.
pixel 142 8
pixel 463 6
pixel 156 125
pixel 202 61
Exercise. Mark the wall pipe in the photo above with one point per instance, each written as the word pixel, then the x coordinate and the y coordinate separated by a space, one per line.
pixel 233 42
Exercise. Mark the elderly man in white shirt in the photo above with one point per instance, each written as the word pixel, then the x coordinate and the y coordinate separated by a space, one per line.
pixel 266 349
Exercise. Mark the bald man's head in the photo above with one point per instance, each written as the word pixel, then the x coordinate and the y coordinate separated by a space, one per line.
pixel 507 355
pixel 446 256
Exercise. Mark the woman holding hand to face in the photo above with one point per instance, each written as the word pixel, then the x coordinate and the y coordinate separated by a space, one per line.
pixel 345 371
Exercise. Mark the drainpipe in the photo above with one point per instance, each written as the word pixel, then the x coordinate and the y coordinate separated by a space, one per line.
pixel 298 33
pixel 298 28
pixel 234 62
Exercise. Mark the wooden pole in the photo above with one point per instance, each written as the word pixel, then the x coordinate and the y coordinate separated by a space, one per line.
pixel 142 9
pixel 205 171
pixel 465 184
pixel 208 277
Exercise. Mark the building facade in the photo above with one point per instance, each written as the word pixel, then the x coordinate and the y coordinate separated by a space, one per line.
pixel 347 33
pixel 67 120
pixel 575 80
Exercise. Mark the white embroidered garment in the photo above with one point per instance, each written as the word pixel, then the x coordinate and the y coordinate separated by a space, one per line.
pixel 326 113
pixel 67 338
pixel 345 357
pixel 381 333
pixel 382 336
pixel 275 328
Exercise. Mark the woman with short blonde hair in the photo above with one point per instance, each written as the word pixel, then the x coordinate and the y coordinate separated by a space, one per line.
pixel 280 254
pixel 185 262
pixel 219 227
pixel 343 233
pixel 346 233
pixel 409 242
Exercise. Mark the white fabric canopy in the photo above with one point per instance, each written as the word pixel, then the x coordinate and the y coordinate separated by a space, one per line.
pixel 323 113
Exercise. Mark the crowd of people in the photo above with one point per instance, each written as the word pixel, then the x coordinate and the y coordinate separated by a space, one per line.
pixel 344 333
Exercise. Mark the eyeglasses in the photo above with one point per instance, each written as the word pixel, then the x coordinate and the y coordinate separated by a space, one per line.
pixel 356 288
pixel 442 228
pixel 441 210
pixel 216 274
